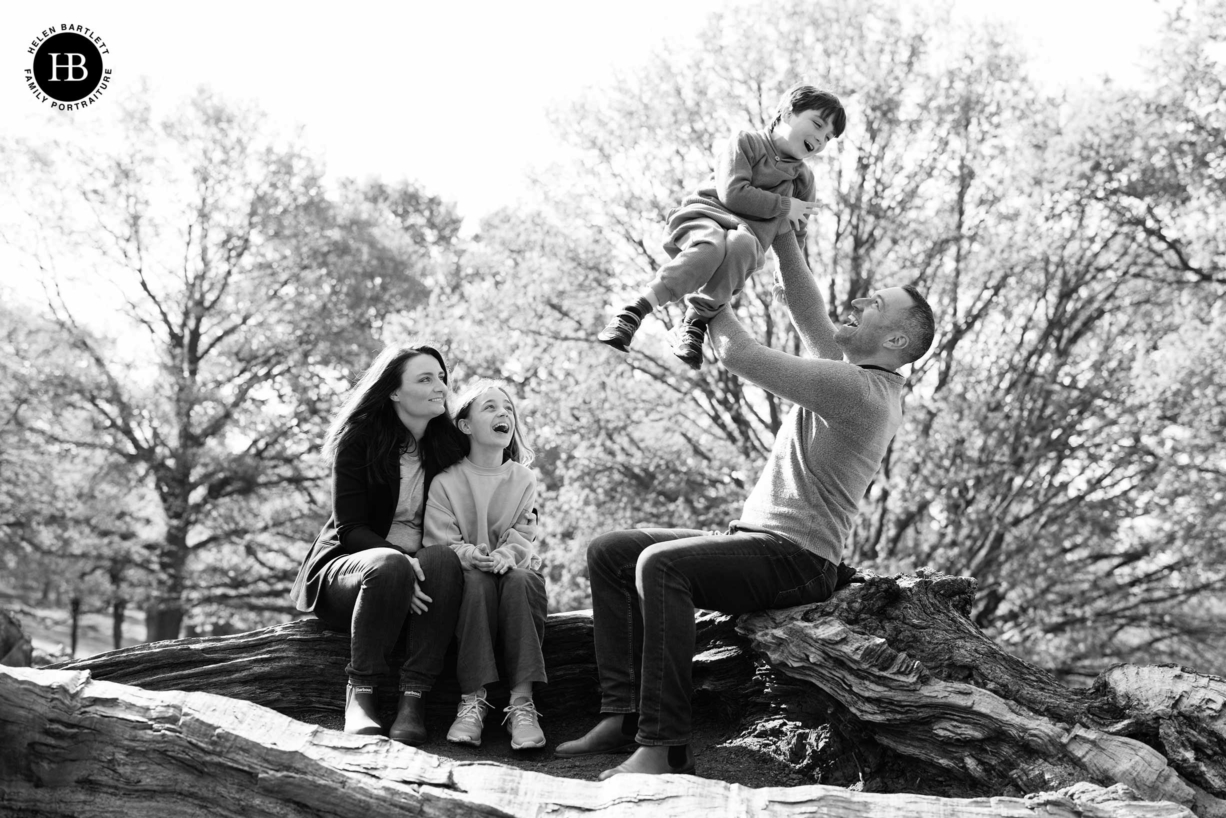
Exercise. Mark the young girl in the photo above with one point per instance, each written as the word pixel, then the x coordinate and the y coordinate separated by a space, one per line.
pixel 484 507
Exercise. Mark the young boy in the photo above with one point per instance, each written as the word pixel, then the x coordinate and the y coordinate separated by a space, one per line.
pixel 717 236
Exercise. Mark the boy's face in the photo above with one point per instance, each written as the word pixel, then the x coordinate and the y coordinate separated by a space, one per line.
pixel 803 135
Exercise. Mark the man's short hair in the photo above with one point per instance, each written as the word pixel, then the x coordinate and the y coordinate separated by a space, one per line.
pixel 919 325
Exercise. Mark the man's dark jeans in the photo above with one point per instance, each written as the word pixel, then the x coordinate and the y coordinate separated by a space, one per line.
pixel 646 584
pixel 367 594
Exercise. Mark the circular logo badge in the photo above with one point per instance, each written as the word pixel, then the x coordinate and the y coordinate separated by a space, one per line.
pixel 68 66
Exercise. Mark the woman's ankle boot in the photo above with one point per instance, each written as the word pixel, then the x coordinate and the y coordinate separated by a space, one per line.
pixel 410 725
pixel 361 711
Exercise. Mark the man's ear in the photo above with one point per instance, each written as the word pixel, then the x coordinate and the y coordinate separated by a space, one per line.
pixel 896 341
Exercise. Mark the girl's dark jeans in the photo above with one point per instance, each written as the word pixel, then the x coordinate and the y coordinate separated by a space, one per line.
pixel 646 584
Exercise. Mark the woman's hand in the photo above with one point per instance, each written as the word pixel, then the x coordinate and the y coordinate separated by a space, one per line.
pixel 420 603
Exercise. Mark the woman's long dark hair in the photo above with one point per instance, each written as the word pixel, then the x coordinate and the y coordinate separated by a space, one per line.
pixel 369 416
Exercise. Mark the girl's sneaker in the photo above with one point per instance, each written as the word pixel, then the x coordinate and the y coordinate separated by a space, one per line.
pixel 470 719
pixel 526 733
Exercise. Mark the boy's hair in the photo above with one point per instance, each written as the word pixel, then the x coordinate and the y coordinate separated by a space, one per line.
pixel 920 326
pixel 803 97
pixel 517 449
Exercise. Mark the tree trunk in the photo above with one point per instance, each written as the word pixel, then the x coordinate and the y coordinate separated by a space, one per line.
pixel 74 746
pixel 15 648
pixel 889 673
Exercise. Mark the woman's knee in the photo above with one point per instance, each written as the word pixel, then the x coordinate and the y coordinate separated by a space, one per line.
pixel 385 566
pixel 440 564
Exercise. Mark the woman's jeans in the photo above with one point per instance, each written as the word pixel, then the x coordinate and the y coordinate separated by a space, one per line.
pixel 646 584
pixel 368 595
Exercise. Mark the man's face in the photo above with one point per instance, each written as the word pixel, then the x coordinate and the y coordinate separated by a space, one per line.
pixel 872 320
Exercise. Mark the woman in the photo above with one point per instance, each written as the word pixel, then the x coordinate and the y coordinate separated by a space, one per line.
pixel 367 570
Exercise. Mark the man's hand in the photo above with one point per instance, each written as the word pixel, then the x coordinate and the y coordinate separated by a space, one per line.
pixel 799 210
pixel 420 603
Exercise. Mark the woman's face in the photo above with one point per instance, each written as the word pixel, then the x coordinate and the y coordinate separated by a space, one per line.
pixel 423 390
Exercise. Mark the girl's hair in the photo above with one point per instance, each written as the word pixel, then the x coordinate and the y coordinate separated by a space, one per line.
pixel 368 414
pixel 517 449
pixel 803 97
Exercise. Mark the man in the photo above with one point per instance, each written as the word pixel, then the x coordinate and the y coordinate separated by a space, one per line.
pixel 784 550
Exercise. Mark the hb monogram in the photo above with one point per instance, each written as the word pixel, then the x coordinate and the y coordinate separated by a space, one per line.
pixel 70 66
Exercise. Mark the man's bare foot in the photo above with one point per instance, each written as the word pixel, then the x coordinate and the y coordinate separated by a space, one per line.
pixel 607 736
pixel 654 760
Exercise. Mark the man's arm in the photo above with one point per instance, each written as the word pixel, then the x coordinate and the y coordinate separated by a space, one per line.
pixel 804 300
pixel 818 384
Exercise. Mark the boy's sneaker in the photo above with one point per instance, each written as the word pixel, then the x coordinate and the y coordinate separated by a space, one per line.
pixel 688 343
pixel 526 733
pixel 470 719
pixel 620 330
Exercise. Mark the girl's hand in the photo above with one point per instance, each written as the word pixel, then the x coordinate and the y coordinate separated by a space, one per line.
pixel 483 562
pixel 503 562
pixel 799 210
pixel 420 603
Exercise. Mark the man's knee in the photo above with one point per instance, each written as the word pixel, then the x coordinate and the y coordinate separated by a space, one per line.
pixel 609 550
pixel 654 565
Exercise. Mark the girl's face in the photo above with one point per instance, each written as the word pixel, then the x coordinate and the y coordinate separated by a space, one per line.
pixel 491 419
pixel 423 389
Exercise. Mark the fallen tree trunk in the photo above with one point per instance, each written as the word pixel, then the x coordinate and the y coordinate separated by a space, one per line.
pixel 890 667
pixel 267 666
pixel 71 745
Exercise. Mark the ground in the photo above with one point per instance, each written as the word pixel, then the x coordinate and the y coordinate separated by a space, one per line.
pixel 716 755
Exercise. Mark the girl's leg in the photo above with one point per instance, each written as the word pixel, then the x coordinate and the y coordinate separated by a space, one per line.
pixel 522 608
pixel 475 630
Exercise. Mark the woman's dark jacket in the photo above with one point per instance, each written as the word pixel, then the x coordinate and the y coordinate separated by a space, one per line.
pixel 362 512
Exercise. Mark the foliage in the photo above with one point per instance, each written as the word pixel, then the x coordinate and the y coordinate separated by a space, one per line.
pixel 1060 240
pixel 254 296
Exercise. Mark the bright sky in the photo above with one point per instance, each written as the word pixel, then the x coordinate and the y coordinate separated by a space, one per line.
pixel 407 89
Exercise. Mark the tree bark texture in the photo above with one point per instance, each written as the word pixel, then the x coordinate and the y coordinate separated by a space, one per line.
pixel 889 663
pixel 71 745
